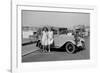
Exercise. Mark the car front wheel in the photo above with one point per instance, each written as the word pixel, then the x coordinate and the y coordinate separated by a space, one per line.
pixel 70 47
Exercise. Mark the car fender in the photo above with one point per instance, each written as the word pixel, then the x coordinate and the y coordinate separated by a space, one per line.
pixel 72 41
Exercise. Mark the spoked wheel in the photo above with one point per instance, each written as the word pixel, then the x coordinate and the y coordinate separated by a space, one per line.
pixel 70 47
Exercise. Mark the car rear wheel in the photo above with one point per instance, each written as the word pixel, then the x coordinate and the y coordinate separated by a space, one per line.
pixel 70 47
pixel 39 44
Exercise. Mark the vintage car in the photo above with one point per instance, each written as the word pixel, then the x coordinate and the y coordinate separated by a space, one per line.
pixel 68 42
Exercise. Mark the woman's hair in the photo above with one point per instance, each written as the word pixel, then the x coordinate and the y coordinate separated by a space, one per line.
pixel 45 29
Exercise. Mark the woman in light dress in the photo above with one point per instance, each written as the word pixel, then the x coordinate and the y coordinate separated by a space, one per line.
pixel 44 39
pixel 50 38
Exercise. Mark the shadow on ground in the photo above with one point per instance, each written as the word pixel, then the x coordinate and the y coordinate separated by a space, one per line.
pixel 62 49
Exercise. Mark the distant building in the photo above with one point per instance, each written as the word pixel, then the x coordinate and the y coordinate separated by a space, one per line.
pixel 26 34
pixel 28 31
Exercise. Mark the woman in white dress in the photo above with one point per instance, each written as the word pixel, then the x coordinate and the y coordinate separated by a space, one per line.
pixel 44 40
pixel 50 38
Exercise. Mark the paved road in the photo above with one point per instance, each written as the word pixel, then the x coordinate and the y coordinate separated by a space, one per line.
pixel 57 54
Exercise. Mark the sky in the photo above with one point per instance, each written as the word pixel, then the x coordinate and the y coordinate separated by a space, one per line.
pixel 59 19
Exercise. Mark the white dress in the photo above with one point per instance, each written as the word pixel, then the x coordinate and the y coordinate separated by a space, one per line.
pixel 44 38
pixel 50 37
